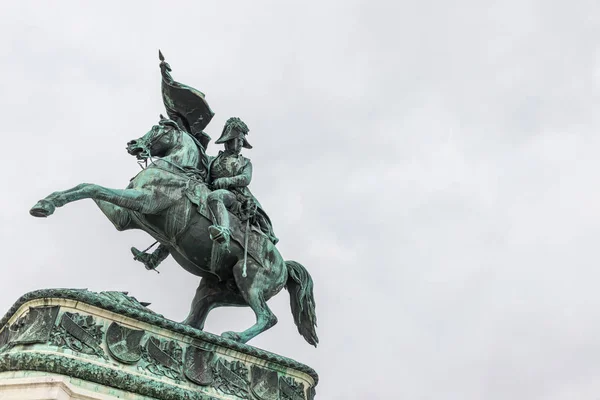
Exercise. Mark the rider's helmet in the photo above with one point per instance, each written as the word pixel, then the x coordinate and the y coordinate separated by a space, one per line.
pixel 234 128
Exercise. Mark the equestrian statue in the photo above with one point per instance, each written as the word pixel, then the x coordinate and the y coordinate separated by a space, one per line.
pixel 200 211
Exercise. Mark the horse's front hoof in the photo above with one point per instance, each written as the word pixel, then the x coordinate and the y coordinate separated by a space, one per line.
pixel 231 336
pixel 42 209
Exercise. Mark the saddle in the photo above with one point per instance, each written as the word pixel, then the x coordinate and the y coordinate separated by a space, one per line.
pixel 260 247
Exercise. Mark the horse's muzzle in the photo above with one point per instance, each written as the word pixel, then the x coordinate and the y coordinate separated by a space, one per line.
pixel 134 149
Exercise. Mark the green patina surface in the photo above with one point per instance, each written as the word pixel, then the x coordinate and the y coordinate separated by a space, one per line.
pixel 97 374
pixel 128 307
pixel 200 210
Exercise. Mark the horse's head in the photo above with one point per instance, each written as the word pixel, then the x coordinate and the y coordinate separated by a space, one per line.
pixel 157 142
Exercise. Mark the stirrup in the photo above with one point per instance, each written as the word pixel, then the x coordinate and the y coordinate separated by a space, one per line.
pixel 219 234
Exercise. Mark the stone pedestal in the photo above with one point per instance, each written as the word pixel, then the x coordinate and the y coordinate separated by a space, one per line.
pixel 76 344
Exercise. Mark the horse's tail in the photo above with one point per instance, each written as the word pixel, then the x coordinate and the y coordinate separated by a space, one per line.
pixel 300 286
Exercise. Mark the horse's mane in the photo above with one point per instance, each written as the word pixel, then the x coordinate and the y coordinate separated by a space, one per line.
pixel 203 162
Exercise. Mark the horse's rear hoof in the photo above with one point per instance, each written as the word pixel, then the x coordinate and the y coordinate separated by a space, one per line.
pixel 42 209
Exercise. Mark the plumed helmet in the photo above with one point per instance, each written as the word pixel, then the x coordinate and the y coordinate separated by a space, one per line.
pixel 234 128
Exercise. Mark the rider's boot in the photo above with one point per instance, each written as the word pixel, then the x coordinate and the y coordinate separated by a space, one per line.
pixel 148 260
pixel 219 233
pixel 221 237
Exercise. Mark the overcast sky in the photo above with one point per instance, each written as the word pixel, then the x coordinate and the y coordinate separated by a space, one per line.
pixel 433 164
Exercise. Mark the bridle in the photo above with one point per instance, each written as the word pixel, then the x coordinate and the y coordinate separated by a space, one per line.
pixel 146 145
pixel 146 154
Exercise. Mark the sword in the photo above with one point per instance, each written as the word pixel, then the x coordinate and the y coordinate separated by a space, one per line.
pixel 244 274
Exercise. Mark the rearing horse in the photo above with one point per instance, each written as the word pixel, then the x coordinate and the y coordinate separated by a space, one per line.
pixel 159 201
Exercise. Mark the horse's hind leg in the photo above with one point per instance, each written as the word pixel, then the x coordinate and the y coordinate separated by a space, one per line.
pixel 254 288
pixel 210 295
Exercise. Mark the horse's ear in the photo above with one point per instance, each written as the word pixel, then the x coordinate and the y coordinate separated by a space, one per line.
pixel 161 117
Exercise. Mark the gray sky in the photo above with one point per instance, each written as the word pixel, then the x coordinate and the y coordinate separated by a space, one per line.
pixel 433 164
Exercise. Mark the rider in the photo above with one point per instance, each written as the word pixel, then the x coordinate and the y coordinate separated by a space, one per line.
pixel 229 174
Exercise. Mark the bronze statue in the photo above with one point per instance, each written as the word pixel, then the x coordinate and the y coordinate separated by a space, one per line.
pixel 200 210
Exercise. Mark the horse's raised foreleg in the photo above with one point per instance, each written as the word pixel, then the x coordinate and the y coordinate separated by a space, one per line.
pixel 210 295
pixel 119 216
pixel 131 199
pixel 254 287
